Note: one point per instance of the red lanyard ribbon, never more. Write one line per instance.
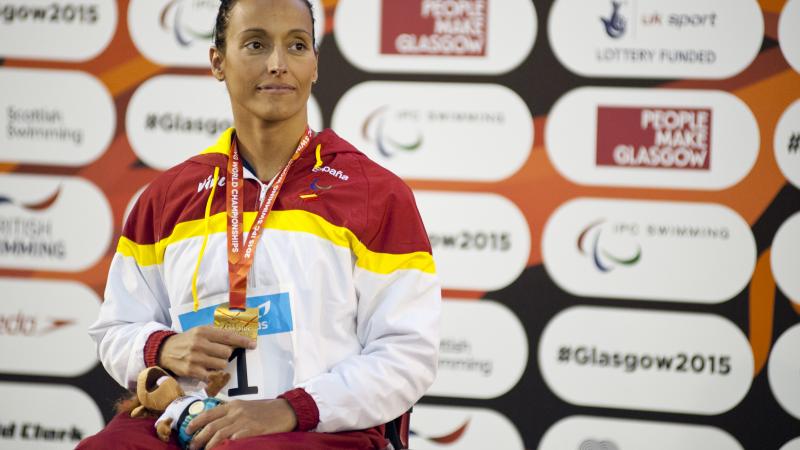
(240, 251)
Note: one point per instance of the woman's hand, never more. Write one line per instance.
(200, 350)
(239, 419)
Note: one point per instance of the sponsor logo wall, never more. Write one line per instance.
(40, 227)
(599, 433)
(442, 427)
(438, 130)
(68, 120)
(48, 319)
(659, 138)
(472, 251)
(656, 361)
(436, 36)
(649, 250)
(56, 30)
(613, 204)
(656, 39)
(469, 366)
(38, 416)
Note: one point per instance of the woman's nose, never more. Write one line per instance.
(276, 63)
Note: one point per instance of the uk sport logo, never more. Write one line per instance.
(615, 23)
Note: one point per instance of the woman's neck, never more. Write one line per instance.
(268, 146)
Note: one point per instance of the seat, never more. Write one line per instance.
(397, 431)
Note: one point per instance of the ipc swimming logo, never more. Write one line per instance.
(604, 259)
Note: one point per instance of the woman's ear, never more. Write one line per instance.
(316, 69)
(216, 58)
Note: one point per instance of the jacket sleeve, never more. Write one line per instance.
(397, 323)
(135, 302)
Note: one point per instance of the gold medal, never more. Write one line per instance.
(196, 407)
(244, 322)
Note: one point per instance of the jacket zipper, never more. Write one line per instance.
(251, 280)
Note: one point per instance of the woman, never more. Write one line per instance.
(339, 274)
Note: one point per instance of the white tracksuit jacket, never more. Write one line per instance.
(343, 277)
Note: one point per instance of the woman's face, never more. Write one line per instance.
(268, 63)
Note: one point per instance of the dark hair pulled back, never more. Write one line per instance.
(224, 17)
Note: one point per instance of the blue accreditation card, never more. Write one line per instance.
(274, 314)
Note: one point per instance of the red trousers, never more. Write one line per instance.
(124, 432)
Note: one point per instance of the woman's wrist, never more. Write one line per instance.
(304, 407)
(153, 346)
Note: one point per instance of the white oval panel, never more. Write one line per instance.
(656, 38)
(469, 364)
(57, 30)
(782, 370)
(789, 33)
(445, 131)
(171, 118)
(46, 417)
(52, 223)
(480, 241)
(646, 360)
(603, 433)
(653, 250)
(462, 428)
(659, 138)
(794, 444)
(433, 36)
(47, 319)
(785, 257)
(54, 117)
(787, 142)
(180, 32)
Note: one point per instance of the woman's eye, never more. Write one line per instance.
(299, 46)
(254, 45)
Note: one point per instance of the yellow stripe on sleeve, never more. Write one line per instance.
(149, 254)
(386, 263)
(144, 254)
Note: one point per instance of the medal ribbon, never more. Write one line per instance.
(242, 252)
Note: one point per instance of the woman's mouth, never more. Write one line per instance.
(276, 88)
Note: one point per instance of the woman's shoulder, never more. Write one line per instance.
(188, 177)
(343, 155)
(391, 221)
(196, 171)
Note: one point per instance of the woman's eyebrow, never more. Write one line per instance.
(263, 31)
(299, 30)
(253, 30)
